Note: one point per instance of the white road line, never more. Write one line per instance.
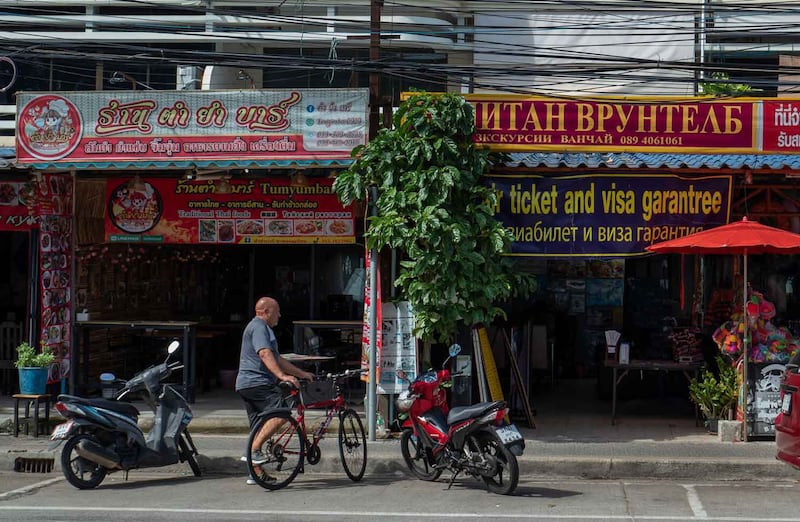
(375, 514)
(28, 489)
(694, 501)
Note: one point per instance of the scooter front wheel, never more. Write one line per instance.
(80, 472)
(416, 457)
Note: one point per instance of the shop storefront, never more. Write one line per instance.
(186, 206)
(588, 184)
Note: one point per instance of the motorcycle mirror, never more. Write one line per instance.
(454, 349)
(174, 345)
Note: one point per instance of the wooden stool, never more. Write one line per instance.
(40, 425)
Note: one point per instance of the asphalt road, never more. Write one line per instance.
(319, 496)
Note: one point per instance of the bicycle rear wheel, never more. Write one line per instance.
(352, 445)
(283, 452)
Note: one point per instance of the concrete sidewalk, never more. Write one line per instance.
(568, 442)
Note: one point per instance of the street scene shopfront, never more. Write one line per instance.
(164, 207)
(589, 184)
(166, 214)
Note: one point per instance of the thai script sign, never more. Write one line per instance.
(781, 126)
(236, 211)
(606, 214)
(147, 126)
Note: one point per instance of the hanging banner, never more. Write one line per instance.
(398, 347)
(606, 214)
(671, 124)
(55, 193)
(236, 211)
(520, 123)
(125, 128)
(365, 331)
(18, 201)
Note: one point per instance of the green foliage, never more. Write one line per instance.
(432, 207)
(720, 87)
(28, 358)
(716, 397)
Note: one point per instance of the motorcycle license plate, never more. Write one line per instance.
(508, 433)
(61, 431)
(786, 403)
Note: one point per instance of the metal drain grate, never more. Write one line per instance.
(33, 465)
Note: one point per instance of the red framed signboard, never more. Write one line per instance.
(145, 127)
(254, 211)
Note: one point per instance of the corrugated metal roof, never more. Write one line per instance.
(652, 160)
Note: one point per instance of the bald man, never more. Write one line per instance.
(261, 369)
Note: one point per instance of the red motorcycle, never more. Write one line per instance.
(473, 439)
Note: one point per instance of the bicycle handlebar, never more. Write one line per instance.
(346, 373)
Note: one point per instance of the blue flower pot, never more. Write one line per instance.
(33, 381)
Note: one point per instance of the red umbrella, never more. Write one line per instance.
(740, 238)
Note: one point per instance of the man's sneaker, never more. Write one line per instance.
(257, 457)
(243, 458)
(266, 478)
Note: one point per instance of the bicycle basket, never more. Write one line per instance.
(318, 391)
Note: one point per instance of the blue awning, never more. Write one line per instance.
(654, 161)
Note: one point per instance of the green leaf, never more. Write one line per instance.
(433, 208)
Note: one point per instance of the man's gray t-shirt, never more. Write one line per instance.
(252, 372)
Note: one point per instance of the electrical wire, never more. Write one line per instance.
(641, 18)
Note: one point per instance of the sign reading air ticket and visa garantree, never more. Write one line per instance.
(606, 214)
(234, 127)
(249, 211)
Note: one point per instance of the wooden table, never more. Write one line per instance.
(619, 371)
(301, 358)
(188, 330)
(321, 324)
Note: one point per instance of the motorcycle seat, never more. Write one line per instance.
(120, 407)
(461, 413)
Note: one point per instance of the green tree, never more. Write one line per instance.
(432, 207)
(720, 86)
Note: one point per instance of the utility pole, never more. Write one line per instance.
(374, 102)
(374, 57)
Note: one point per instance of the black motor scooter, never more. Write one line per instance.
(103, 436)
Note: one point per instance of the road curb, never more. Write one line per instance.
(592, 468)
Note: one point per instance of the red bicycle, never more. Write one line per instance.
(291, 444)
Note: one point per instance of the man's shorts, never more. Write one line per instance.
(261, 398)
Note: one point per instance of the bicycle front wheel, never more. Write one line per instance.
(352, 445)
(280, 456)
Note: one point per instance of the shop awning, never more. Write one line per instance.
(7, 155)
(651, 160)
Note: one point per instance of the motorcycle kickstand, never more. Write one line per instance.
(453, 479)
(126, 476)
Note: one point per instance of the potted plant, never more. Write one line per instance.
(716, 396)
(33, 368)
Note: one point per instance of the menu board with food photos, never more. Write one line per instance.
(235, 211)
(55, 192)
(18, 205)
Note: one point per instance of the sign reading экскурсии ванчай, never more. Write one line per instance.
(606, 214)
